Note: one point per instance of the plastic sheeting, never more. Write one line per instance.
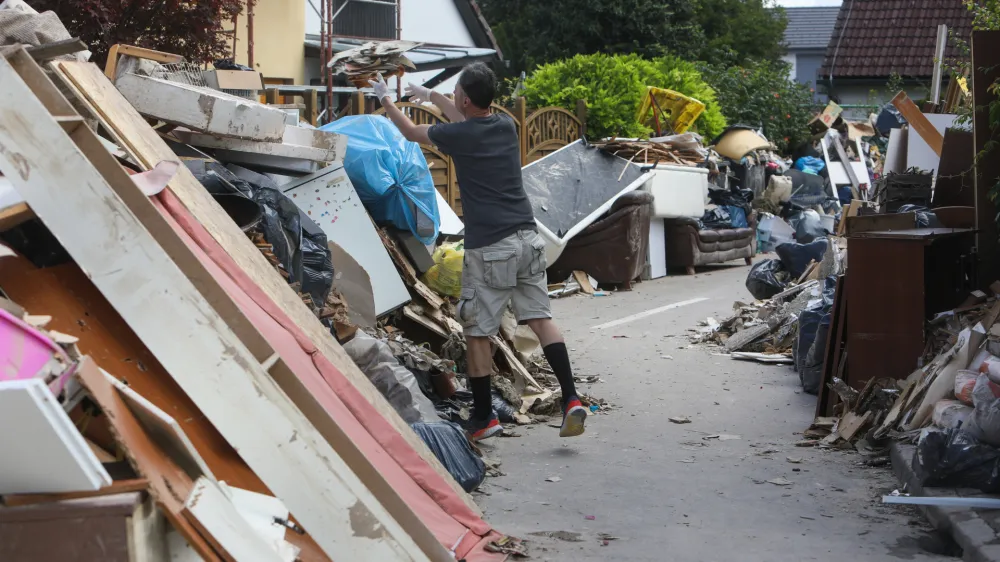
(956, 459)
(298, 242)
(390, 175)
(810, 344)
(570, 184)
(376, 360)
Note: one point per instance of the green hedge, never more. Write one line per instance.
(614, 85)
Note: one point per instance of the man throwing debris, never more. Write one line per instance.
(504, 255)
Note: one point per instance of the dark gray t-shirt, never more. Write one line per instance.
(487, 156)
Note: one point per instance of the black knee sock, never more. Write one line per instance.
(482, 400)
(559, 361)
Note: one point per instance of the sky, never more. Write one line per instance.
(797, 3)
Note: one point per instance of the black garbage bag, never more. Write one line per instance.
(808, 226)
(448, 442)
(926, 218)
(297, 241)
(230, 64)
(505, 412)
(809, 350)
(953, 458)
(716, 219)
(796, 257)
(764, 280)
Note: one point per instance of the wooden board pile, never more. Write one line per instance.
(199, 362)
(899, 409)
(763, 330)
(364, 63)
(649, 152)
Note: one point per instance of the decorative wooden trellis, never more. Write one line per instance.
(541, 132)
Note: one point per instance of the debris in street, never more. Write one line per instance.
(794, 460)
(561, 535)
(553, 479)
(722, 437)
(679, 419)
(780, 481)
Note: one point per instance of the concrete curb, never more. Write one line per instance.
(976, 531)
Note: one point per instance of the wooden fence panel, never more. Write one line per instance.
(542, 132)
(549, 129)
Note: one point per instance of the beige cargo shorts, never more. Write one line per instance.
(511, 270)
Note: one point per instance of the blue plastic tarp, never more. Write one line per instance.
(810, 165)
(390, 175)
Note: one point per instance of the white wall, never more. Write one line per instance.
(429, 21)
(435, 21)
(791, 59)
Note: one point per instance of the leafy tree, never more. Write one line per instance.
(532, 33)
(191, 29)
(613, 86)
(761, 94)
(737, 31)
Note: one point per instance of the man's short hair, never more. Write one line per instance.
(479, 84)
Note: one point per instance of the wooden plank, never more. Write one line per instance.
(202, 109)
(137, 52)
(79, 309)
(168, 484)
(116, 487)
(294, 148)
(584, 281)
(410, 312)
(211, 512)
(45, 454)
(918, 122)
(147, 534)
(164, 430)
(55, 49)
(14, 215)
(852, 423)
(515, 364)
(874, 223)
(185, 332)
(137, 138)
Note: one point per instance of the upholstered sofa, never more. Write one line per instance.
(690, 247)
(612, 249)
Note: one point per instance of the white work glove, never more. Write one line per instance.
(418, 93)
(381, 88)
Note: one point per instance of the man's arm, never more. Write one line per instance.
(411, 132)
(447, 106)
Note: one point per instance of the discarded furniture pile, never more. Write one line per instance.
(206, 332)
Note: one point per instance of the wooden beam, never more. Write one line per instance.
(14, 215)
(141, 142)
(116, 487)
(55, 49)
(918, 122)
(184, 331)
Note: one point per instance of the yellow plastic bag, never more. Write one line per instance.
(673, 110)
(445, 276)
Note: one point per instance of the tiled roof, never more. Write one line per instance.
(809, 28)
(885, 36)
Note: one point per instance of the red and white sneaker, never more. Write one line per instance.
(573, 417)
(481, 429)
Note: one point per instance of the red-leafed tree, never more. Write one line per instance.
(192, 28)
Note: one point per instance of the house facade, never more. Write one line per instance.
(453, 31)
(806, 38)
(873, 40)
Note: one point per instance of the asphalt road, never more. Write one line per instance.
(665, 491)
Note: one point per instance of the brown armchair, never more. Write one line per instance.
(613, 248)
(689, 247)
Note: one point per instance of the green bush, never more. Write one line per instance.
(761, 94)
(613, 86)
